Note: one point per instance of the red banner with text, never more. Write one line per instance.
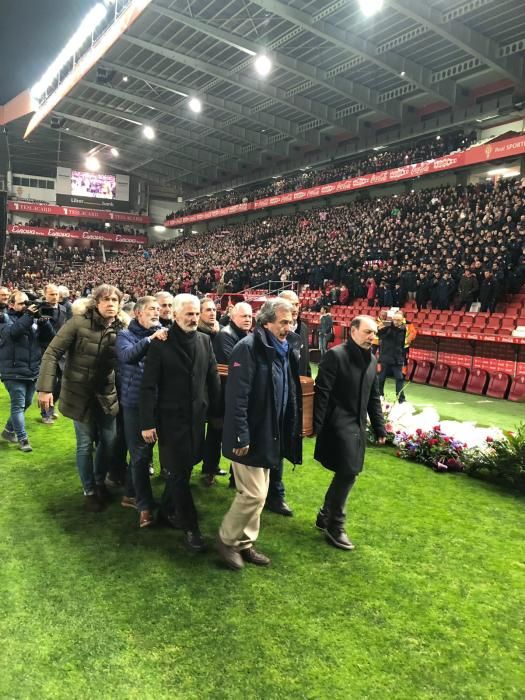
(477, 154)
(75, 235)
(76, 213)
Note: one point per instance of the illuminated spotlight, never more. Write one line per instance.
(92, 163)
(402, 74)
(124, 78)
(148, 132)
(263, 65)
(195, 105)
(370, 7)
(114, 152)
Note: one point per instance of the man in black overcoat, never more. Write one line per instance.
(345, 391)
(180, 387)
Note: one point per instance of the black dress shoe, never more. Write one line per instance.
(103, 495)
(338, 538)
(170, 520)
(193, 540)
(221, 472)
(279, 507)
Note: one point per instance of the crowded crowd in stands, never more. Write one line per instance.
(374, 162)
(83, 226)
(420, 245)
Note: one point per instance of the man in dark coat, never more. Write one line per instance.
(223, 342)
(275, 500)
(57, 315)
(345, 391)
(21, 337)
(392, 337)
(132, 346)
(180, 389)
(262, 425)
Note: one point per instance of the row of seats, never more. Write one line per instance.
(477, 381)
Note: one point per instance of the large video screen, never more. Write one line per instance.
(93, 185)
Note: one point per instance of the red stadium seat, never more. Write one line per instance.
(493, 325)
(498, 385)
(439, 375)
(411, 366)
(517, 389)
(422, 372)
(509, 323)
(457, 378)
(477, 382)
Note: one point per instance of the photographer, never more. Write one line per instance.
(392, 336)
(20, 355)
(57, 315)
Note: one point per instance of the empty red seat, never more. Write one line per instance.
(493, 324)
(498, 385)
(411, 366)
(457, 378)
(508, 323)
(517, 389)
(422, 372)
(477, 382)
(439, 375)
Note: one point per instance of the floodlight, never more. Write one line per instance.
(263, 65)
(114, 152)
(92, 163)
(195, 105)
(148, 132)
(370, 7)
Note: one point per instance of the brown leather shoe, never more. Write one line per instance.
(129, 502)
(229, 555)
(146, 518)
(251, 556)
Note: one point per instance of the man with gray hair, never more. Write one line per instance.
(165, 300)
(262, 424)
(180, 389)
(345, 391)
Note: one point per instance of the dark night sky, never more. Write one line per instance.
(32, 34)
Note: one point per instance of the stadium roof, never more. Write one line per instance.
(340, 82)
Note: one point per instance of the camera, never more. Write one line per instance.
(44, 309)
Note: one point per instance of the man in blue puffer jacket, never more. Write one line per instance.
(132, 346)
(21, 336)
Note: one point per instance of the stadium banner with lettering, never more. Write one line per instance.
(477, 154)
(75, 200)
(20, 230)
(76, 212)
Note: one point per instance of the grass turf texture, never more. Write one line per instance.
(429, 605)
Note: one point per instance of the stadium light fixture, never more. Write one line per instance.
(92, 164)
(88, 25)
(263, 65)
(149, 132)
(125, 78)
(370, 7)
(114, 152)
(195, 105)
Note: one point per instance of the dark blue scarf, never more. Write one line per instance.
(281, 363)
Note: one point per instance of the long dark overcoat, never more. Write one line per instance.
(177, 394)
(345, 391)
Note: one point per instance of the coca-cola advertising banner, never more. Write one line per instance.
(20, 230)
(76, 213)
(478, 154)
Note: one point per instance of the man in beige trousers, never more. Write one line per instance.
(262, 425)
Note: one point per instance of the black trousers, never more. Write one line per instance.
(177, 497)
(336, 498)
(397, 373)
(212, 450)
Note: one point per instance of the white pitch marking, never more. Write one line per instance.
(454, 403)
(484, 401)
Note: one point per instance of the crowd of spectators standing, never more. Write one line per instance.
(121, 229)
(372, 163)
(445, 246)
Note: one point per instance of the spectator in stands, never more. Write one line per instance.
(392, 336)
(165, 301)
(21, 336)
(88, 394)
(371, 291)
(467, 290)
(326, 329)
(345, 391)
(487, 292)
(132, 346)
(262, 425)
(443, 291)
(180, 388)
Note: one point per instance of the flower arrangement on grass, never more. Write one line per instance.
(433, 448)
(502, 458)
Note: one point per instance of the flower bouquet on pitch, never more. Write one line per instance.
(432, 447)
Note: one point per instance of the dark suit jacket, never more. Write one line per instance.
(345, 391)
(177, 394)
